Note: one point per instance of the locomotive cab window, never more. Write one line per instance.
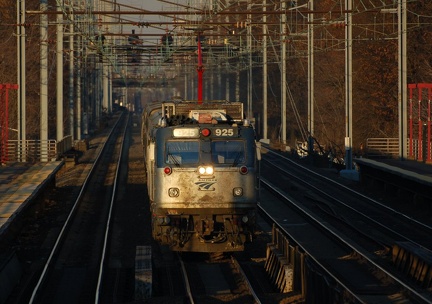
(228, 152)
(181, 152)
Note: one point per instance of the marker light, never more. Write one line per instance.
(205, 170)
(238, 191)
(205, 132)
(243, 170)
(173, 192)
(167, 170)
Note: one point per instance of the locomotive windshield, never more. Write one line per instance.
(182, 152)
(228, 152)
(222, 152)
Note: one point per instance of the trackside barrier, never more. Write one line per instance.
(283, 263)
(291, 270)
(414, 262)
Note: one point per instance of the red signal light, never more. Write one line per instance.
(167, 170)
(243, 170)
(205, 132)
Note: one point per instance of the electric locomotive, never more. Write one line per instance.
(202, 177)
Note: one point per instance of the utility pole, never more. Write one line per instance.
(402, 68)
(348, 85)
(311, 78)
(249, 73)
(44, 82)
(59, 52)
(283, 73)
(105, 69)
(265, 72)
(21, 78)
(71, 75)
(82, 119)
(348, 172)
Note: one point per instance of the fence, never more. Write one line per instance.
(382, 147)
(35, 150)
(389, 148)
(419, 122)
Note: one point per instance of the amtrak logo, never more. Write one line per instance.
(205, 186)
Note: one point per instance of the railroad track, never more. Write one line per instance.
(206, 278)
(130, 229)
(345, 233)
(332, 195)
(73, 271)
(118, 286)
(209, 281)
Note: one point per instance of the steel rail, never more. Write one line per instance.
(364, 215)
(108, 220)
(251, 290)
(186, 281)
(66, 224)
(365, 255)
(424, 225)
(309, 254)
(413, 293)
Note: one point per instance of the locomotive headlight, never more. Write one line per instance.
(173, 192)
(238, 191)
(209, 170)
(205, 170)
